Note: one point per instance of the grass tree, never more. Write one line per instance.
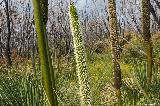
(44, 13)
(115, 48)
(79, 50)
(147, 37)
(40, 17)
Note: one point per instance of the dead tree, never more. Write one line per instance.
(7, 51)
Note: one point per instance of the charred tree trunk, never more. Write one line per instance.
(152, 10)
(8, 52)
(33, 51)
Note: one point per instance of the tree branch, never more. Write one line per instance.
(154, 14)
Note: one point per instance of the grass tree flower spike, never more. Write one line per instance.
(115, 48)
(145, 18)
(80, 56)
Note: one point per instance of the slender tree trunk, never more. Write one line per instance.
(1, 50)
(33, 51)
(115, 48)
(8, 51)
(147, 37)
(157, 3)
(153, 12)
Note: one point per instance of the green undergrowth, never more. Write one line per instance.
(22, 85)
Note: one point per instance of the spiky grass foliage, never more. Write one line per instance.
(101, 84)
(21, 90)
(133, 87)
(80, 55)
(45, 61)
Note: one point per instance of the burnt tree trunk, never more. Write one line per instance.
(8, 52)
(153, 12)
